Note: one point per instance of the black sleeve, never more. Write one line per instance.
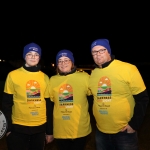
(7, 103)
(141, 102)
(90, 101)
(49, 113)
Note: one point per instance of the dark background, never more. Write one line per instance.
(74, 25)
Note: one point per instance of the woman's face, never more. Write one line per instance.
(32, 59)
(64, 64)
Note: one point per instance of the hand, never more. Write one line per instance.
(128, 128)
(8, 133)
(49, 138)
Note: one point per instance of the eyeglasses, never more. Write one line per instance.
(36, 56)
(101, 51)
(66, 61)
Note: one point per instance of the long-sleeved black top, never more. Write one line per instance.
(141, 102)
(7, 103)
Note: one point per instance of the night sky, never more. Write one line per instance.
(73, 28)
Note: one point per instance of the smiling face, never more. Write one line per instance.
(32, 59)
(100, 55)
(64, 64)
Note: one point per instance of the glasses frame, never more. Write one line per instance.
(101, 51)
(66, 61)
(36, 56)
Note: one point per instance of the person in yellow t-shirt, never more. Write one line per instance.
(25, 104)
(120, 99)
(68, 92)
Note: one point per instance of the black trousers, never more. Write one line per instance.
(19, 141)
(71, 144)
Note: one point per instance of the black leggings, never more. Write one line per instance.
(71, 144)
(19, 141)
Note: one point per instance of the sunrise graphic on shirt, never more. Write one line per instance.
(32, 89)
(104, 86)
(66, 96)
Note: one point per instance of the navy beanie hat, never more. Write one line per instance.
(102, 42)
(65, 53)
(31, 47)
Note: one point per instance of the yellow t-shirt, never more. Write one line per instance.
(113, 88)
(71, 116)
(29, 90)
